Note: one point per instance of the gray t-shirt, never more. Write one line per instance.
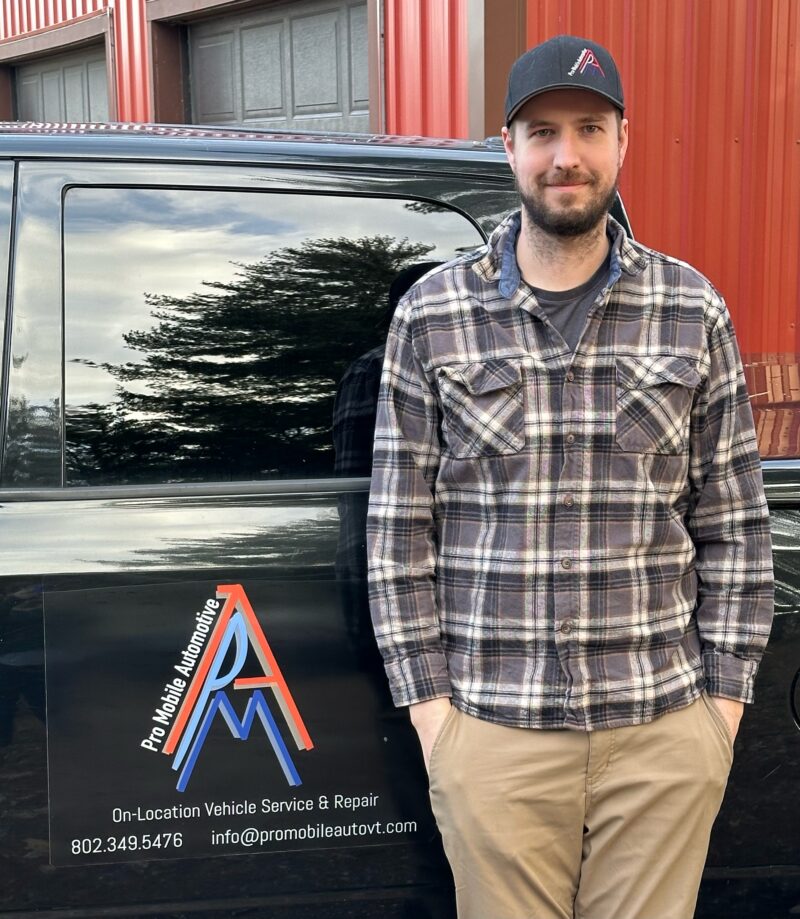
(567, 309)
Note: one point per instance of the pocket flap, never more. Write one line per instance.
(655, 370)
(485, 377)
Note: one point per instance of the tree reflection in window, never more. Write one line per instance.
(207, 331)
(237, 381)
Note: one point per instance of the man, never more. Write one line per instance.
(570, 560)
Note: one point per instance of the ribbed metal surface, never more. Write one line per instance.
(19, 18)
(713, 170)
(132, 61)
(426, 60)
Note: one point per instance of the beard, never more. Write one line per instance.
(568, 221)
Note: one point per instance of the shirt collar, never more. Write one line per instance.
(500, 261)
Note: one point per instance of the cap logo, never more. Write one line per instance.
(586, 59)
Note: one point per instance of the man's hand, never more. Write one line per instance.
(427, 718)
(732, 713)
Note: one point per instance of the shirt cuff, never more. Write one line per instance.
(419, 678)
(729, 676)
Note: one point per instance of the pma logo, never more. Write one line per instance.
(586, 59)
(225, 643)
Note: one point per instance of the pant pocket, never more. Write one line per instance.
(438, 742)
(718, 721)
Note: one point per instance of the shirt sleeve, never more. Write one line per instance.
(729, 524)
(401, 540)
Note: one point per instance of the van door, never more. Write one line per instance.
(192, 373)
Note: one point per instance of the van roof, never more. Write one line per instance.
(239, 144)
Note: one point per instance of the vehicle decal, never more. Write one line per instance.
(236, 630)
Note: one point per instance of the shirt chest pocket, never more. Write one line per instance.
(483, 408)
(654, 403)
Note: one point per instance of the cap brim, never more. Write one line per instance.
(547, 89)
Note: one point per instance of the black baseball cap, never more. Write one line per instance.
(563, 62)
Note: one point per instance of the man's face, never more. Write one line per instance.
(566, 148)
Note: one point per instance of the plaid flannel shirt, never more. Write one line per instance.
(564, 540)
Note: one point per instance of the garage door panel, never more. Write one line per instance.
(358, 69)
(299, 66)
(75, 93)
(315, 64)
(97, 80)
(262, 71)
(66, 87)
(52, 94)
(215, 76)
(29, 99)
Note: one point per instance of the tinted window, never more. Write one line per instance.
(213, 335)
(6, 186)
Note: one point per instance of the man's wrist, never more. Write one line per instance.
(429, 710)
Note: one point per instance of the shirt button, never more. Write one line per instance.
(570, 438)
(566, 562)
(568, 501)
(566, 627)
(570, 376)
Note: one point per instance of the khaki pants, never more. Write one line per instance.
(561, 824)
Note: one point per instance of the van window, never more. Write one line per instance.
(215, 335)
(6, 189)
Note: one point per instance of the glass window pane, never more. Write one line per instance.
(6, 187)
(208, 333)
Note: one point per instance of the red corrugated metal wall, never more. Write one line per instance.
(131, 62)
(713, 170)
(18, 17)
(426, 56)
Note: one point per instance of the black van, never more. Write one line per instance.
(193, 717)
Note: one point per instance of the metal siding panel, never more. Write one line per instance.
(459, 102)
(132, 61)
(412, 92)
(20, 17)
(436, 51)
(407, 86)
(426, 59)
(713, 171)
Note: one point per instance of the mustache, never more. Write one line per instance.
(569, 178)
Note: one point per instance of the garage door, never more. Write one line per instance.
(298, 67)
(69, 87)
